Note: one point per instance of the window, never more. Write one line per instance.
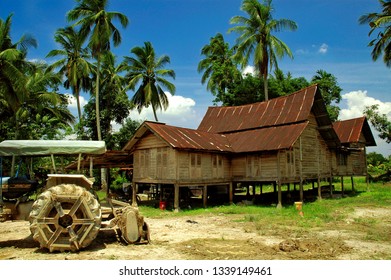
(342, 158)
(144, 162)
(144, 158)
(162, 162)
(195, 160)
(290, 162)
(217, 161)
(253, 165)
(161, 157)
(195, 165)
(217, 166)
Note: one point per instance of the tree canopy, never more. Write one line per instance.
(145, 70)
(380, 22)
(256, 38)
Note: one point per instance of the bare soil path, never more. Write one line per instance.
(213, 237)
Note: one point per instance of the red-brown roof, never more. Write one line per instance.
(266, 139)
(288, 109)
(185, 138)
(349, 131)
(262, 139)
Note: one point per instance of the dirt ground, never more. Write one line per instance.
(213, 237)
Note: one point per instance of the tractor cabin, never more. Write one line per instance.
(283, 141)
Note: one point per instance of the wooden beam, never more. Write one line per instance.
(176, 197)
(301, 171)
(319, 189)
(205, 196)
(54, 164)
(352, 179)
(134, 194)
(331, 186)
(279, 205)
(325, 127)
(231, 191)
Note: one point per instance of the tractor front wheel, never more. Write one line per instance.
(65, 218)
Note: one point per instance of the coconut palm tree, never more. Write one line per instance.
(380, 22)
(43, 109)
(218, 67)
(13, 64)
(256, 37)
(114, 102)
(13, 67)
(74, 64)
(148, 71)
(97, 23)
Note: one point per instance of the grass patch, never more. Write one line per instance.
(326, 214)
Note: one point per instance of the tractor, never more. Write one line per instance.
(64, 211)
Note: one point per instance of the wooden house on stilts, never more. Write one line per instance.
(286, 140)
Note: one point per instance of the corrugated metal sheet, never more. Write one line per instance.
(349, 131)
(266, 139)
(288, 109)
(184, 138)
(261, 139)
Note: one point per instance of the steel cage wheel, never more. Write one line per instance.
(65, 218)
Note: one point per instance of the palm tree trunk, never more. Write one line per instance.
(103, 171)
(97, 111)
(78, 106)
(77, 95)
(154, 113)
(263, 73)
(265, 87)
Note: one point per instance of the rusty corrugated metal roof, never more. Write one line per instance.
(292, 108)
(349, 131)
(266, 139)
(261, 139)
(184, 138)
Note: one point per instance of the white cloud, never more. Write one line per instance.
(180, 112)
(249, 70)
(302, 51)
(323, 48)
(72, 101)
(356, 102)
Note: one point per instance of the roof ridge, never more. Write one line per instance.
(256, 128)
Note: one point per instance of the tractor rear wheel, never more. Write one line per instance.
(65, 218)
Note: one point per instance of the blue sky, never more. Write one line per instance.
(328, 37)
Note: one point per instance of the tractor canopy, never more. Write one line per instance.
(51, 147)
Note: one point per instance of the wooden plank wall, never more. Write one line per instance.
(197, 166)
(255, 167)
(155, 161)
